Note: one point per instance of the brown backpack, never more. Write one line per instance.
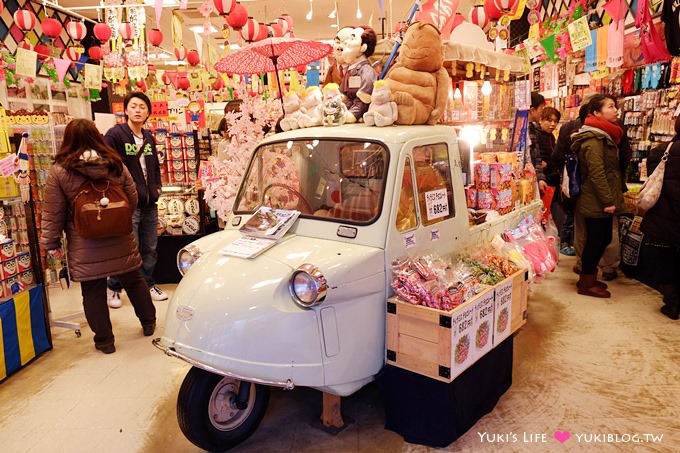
(101, 210)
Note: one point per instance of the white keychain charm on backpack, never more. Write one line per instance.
(104, 201)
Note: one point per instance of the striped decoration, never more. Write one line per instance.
(23, 331)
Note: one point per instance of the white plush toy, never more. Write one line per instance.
(312, 108)
(382, 111)
(291, 106)
(334, 108)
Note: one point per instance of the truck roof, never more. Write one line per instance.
(390, 134)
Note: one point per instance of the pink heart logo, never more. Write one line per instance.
(562, 436)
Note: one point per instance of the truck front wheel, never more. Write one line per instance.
(208, 409)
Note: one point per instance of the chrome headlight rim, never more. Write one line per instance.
(194, 253)
(316, 277)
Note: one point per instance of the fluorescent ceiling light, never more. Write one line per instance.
(199, 28)
(334, 25)
(159, 56)
(175, 63)
(165, 3)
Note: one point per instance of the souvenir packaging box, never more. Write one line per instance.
(482, 338)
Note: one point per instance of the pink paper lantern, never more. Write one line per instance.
(505, 6)
(126, 31)
(72, 53)
(224, 7)
(277, 29)
(76, 30)
(155, 37)
(102, 32)
(250, 30)
(238, 17)
(288, 20)
(51, 27)
(193, 58)
(25, 19)
(180, 53)
(95, 53)
(478, 16)
(263, 31)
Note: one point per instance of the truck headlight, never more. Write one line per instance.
(308, 286)
(186, 258)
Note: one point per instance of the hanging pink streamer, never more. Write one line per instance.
(159, 9)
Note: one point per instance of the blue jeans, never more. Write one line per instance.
(144, 225)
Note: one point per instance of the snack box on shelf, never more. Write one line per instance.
(442, 344)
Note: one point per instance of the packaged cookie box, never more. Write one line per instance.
(435, 343)
(510, 305)
(7, 250)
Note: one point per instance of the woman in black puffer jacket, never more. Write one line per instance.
(661, 227)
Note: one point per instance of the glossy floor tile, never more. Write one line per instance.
(590, 375)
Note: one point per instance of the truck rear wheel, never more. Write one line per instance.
(208, 413)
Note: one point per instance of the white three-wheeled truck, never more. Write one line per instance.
(310, 311)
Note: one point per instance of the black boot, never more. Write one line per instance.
(671, 310)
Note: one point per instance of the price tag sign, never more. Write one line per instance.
(437, 204)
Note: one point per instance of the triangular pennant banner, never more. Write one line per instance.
(81, 61)
(61, 65)
(549, 46)
(159, 9)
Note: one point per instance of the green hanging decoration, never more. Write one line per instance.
(95, 95)
(578, 12)
(548, 44)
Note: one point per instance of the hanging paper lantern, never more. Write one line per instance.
(126, 31)
(288, 20)
(492, 10)
(457, 20)
(166, 79)
(193, 58)
(238, 17)
(25, 19)
(263, 32)
(95, 53)
(218, 84)
(102, 32)
(224, 7)
(277, 31)
(478, 16)
(250, 30)
(51, 27)
(42, 50)
(283, 24)
(76, 30)
(72, 53)
(155, 37)
(25, 45)
(505, 6)
(183, 83)
(180, 53)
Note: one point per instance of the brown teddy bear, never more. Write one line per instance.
(419, 83)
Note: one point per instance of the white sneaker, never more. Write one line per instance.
(157, 293)
(113, 298)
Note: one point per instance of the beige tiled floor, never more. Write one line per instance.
(582, 365)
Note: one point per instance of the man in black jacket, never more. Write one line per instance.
(137, 147)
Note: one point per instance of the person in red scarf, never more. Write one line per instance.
(596, 145)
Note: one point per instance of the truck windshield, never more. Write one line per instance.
(335, 180)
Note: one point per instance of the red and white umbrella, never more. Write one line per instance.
(272, 54)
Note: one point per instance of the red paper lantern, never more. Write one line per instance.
(183, 83)
(155, 37)
(224, 7)
(250, 30)
(180, 53)
(76, 30)
(478, 16)
(277, 29)
(218, 84)
(457, 20)
(126, 31)
(25, 19)
(193, 58)
(263, 31)
(238, 17)
(102, 32)
(51, 27)
(166, 79)
(25, 45)
(72, 53)
(95, 53)
(43, 51)
(492, 10)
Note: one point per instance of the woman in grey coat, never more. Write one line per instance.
(84, 155)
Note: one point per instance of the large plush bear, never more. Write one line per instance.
(419, 83)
